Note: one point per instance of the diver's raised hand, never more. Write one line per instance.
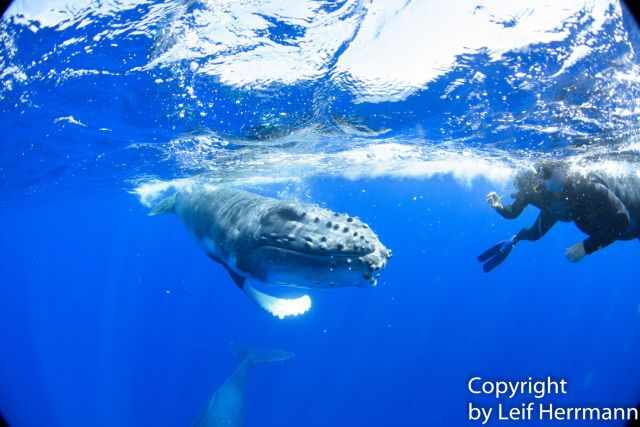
(576, 252)
(494, 200)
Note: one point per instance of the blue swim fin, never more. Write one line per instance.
(491, 252)
(495, 255)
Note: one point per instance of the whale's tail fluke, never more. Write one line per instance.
(166, 205)
(254, 356)
(279, 307)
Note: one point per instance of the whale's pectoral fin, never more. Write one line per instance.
(279, 307)
(237, 279)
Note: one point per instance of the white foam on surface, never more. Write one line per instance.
(231, 38)
(149, 191)
(361, 159)
(407, 161)
(401, 46)
(383, 159)
(580, 52)
(63, 13)
(612, 168)
(392, 48)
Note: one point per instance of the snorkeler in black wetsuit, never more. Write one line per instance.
(606, 208)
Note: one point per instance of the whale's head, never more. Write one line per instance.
(308, 246)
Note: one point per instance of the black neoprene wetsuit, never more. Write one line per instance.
(605, 208)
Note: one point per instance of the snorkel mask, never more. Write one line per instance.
(549, 177)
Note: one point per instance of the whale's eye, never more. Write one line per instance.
(288, 213)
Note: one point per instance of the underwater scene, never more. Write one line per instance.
(319, 213)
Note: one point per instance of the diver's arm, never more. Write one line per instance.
(543, 223)
(510, 211)
(593, 243)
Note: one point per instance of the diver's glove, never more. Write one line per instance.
(494, 200)
(496, 254)
(576, 252)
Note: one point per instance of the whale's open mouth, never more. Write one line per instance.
(319, 253)
(293, 266)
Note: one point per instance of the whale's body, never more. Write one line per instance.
(226, 407)
(278, 242)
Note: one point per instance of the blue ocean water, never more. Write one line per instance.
(405, 114)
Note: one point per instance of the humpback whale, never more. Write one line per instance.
(264, 240)
(226, 405)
